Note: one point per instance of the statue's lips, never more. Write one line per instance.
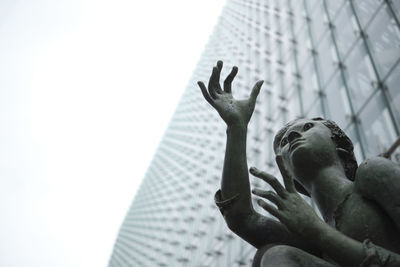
(295, 144)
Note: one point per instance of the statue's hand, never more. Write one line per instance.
(232, 111)
(292, 210)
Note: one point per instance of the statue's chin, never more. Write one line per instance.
(304, 159)
(300, 156)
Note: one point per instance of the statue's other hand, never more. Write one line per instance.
(291, 209)
(232, 111)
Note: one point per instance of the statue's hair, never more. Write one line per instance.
(344, 146)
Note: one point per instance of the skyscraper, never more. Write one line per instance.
(334, 59)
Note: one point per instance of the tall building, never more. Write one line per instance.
(335, 59)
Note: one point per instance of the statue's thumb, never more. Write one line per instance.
(256, 90)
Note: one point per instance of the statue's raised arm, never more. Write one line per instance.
(234, 198)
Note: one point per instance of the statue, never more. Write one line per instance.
(360, 205)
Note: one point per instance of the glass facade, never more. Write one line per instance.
(334, 59)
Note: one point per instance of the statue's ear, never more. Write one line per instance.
(300, 188)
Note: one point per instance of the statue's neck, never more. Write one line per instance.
(328, 189)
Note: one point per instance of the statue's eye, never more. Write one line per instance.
(284, 141)
(307, 126)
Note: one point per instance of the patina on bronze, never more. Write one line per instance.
(360, 205)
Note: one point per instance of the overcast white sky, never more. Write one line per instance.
(87, 88)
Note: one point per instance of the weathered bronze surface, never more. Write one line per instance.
(360, 205)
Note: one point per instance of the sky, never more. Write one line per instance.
(87, 89)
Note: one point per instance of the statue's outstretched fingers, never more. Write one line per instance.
(214, 80)
(205, 93)
(256, 90)
(219, 65)
(212, 84)
(271, 209)
(270, 195)
(271, 180)
(229, 79)
(218, 88)
(287, 177)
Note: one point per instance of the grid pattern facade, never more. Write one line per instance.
(334, 59)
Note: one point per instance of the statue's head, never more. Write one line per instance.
(311, 143)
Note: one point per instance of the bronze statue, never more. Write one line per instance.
(360, 205)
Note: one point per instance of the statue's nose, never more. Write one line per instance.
(293, 135)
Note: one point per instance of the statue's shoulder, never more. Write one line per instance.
(376, 170)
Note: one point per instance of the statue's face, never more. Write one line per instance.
(307, 146)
